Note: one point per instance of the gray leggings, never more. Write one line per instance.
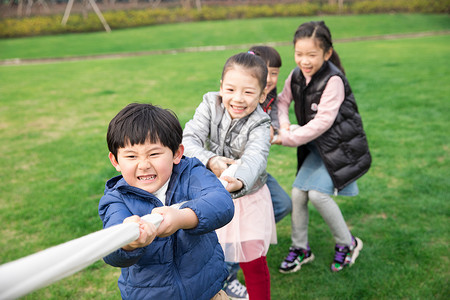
(327, 208)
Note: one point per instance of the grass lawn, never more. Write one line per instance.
(53, 121)
(213, 33)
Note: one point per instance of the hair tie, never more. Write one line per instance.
(251, 52)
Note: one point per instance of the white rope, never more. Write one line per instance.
(230, 171)
(22, 276)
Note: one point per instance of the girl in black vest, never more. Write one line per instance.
(332, 149)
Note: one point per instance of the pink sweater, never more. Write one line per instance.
(327, 111)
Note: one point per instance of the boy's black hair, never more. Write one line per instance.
(268, 54)
(138, 123)
(250, 62)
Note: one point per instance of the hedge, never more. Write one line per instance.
(45, 25)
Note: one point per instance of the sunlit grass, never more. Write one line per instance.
(53, 120)
(213, 33)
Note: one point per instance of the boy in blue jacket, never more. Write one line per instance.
(182, 258)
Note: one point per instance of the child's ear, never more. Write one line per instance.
(220, 91)
(328, 54)
(114, 162)
(178, 154)
(263, 96)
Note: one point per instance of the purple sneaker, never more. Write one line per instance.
(295, 259)
(345, 255)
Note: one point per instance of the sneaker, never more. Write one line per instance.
(235, 290)
(295, 259)
(346, 255)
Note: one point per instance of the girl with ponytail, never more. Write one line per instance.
(332, 149)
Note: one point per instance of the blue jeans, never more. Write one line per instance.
(282, 206)
(233, 269)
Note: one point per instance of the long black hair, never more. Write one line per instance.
(319, 31)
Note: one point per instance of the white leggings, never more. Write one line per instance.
(327, 208)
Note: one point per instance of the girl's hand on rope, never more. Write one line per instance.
(218, 164)
(233, 183)
(285, 126)
(276, 140)
(272, 132)
(147, 233)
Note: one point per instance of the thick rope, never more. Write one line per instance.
(38, 270)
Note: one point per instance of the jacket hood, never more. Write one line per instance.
(113, 183)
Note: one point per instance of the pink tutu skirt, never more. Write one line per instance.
(252, 229)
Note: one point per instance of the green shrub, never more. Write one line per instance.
(211, 13)
(42, 25)
(330, 9)
(408, 6)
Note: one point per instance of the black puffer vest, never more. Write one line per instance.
(343, 148)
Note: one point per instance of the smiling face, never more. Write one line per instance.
(309, 57)
(241, 92)
(146, 166)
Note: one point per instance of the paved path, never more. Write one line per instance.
(32, 61)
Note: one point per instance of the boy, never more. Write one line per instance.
(182, 259)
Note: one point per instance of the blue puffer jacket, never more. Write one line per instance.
(186, 265)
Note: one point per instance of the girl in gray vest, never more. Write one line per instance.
(229, 127)
(332, 149)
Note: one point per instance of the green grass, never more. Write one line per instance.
(53, 120)
(175, 36)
